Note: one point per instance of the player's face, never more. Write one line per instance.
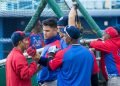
(24, 44)
(38, 26)
(49, 32)
(106, 36)
(60, 32)
(67, 39)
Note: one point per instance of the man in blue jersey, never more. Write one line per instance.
(71, 20)
(51, 38)
(36, 36)
(76, 63)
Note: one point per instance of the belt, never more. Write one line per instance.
(113, 75)
(40, 83)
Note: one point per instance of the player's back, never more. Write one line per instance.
(77, 67)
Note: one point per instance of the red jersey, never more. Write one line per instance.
(110, 62)
(18, 72)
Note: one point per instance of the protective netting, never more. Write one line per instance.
(27, 7)
(19, 8)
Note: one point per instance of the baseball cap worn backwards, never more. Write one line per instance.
(63, 21)
(18, 36)
(111, 31)
(72, 32)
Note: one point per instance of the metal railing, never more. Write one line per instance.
(5, 40)
(2, 62)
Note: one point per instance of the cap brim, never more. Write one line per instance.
(65, 30)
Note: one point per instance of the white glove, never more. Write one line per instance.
(53, 49)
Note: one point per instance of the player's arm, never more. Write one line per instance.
(53, 62)
(23, 69)
(95, 71)
(71, 17)
(100, 45)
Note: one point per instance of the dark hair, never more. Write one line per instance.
(52, 22)
(15, 44)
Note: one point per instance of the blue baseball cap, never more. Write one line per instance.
(72, 32)
(18, 36)
(63, 21)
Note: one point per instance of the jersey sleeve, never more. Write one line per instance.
(100, 45)
(57, 61)
(103, 69)
(23, 69)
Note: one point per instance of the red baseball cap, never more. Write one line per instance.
(111, 31)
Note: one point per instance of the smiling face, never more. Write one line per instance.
(24, 44)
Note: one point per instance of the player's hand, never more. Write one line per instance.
(71, 16)
(72, 12)
(31, 51)
(75, 6)
(36, 57)
(52, 50)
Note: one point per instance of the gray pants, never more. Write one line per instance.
(52, 83)
(114, 81)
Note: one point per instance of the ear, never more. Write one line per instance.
(69, 39)
(56, 29)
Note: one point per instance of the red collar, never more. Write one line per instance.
(18, 50)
